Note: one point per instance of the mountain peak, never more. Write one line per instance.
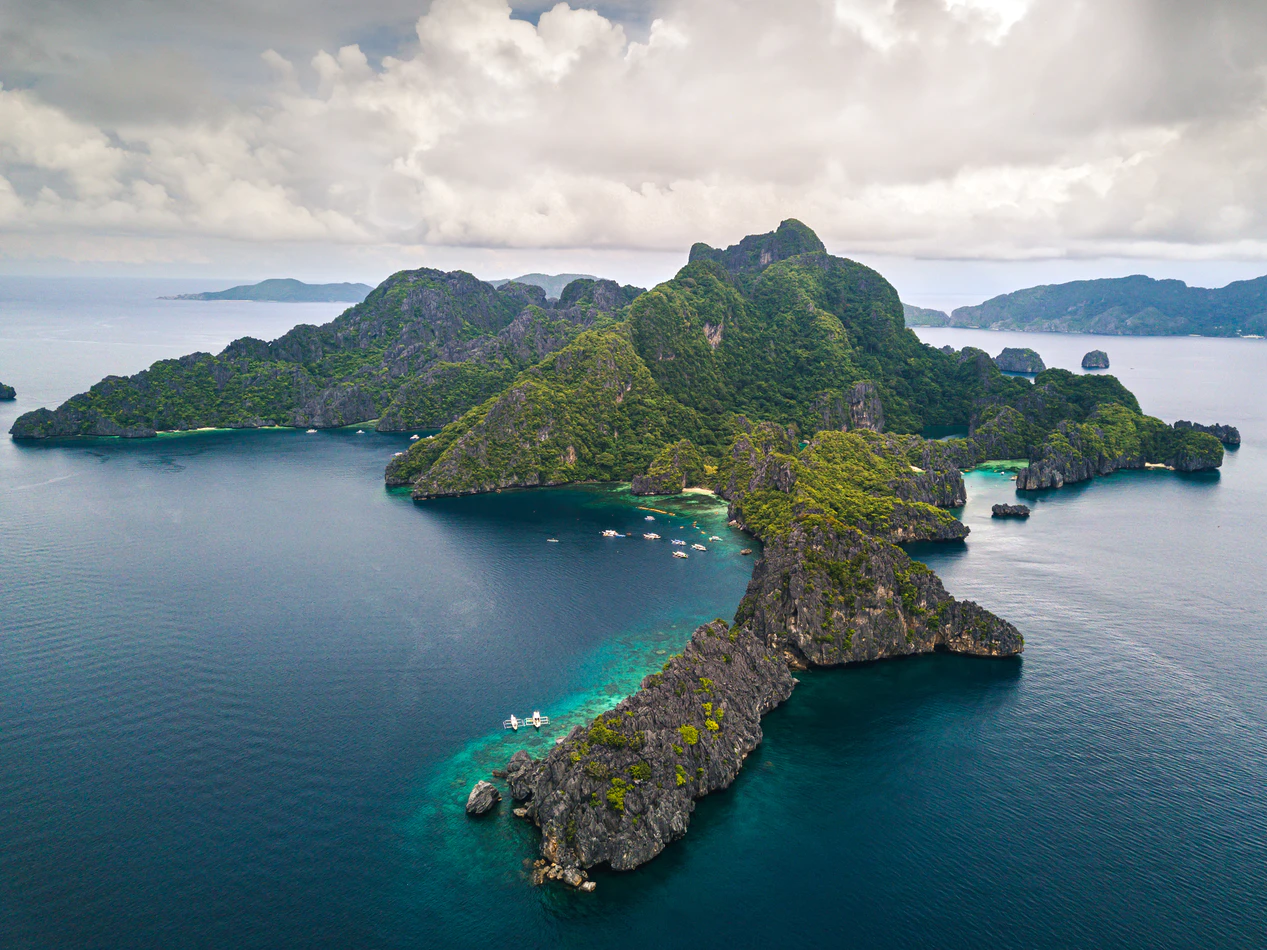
(756, 252)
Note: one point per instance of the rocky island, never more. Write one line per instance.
(1016, 360)
(423, 348)
(770, 372)
(832, 478)
(1009, 511)
(1228, 435)
(285, 290)
(1096, 359)
(7, 392)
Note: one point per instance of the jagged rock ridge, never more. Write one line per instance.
(421, 349)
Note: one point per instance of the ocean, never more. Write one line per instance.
(244, 689)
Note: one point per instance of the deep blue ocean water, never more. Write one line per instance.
(244, 690)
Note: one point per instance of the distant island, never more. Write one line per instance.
(552, 284)
(924, 317)
(285, 290)
(1131, 306)
(8, 392)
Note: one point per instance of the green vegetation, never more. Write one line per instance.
(689, 734)
(287, 290)
(418, 352)
(1126, 305)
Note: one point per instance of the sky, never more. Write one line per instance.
(963, 147)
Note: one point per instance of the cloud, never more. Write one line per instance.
(1005, 129)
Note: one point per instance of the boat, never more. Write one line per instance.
(536, 720)
(413, 438)
(397, 454)
(677, 541)
(360, 432)
(609, 533)
(699, 547)
(746, 551)
(681, 554)
(649, 518)
(552, 540)
(312, 431)
(714, 538)
(651, 536)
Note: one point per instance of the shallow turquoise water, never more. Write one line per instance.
(243, 691)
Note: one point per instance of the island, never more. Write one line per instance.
(1009, 511)
(552, 284)
(1017, 360)
(1096, 359)
(7, 392)
(423, 348)
(285, 290)
(783, 379)
(924, 317)
(1133, 306)
(771, 373)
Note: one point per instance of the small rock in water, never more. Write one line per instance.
(1096, 359)
(1010, 511)
(482, 798)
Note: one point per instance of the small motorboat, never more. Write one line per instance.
(413, 438)
(609, 533)
(649, 518)
(677, 541)
(397, 454)
(651, 536)
(312, 431)
(360, 432)
(552, 540)
(699, 547)
(681, 554)
(714, 538)
(746, 551)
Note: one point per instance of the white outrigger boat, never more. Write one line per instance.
(714, 538)
(609, 533)
(699, 547)
(649, 518)
(651, 536)
(312, 431)
(536, 720)
(413, 438)
(681, 554)
(677, 541)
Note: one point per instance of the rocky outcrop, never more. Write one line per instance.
(1017, 360)
(7, 392)
(865, 411)
(1115, 438)
(420, 351)
(824, 598)
(1096, 359)
(677, 467)
(483, 798)
(1010, 511)
(758, 251)
(831, 588)
(1228, 435)
(618, 792)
